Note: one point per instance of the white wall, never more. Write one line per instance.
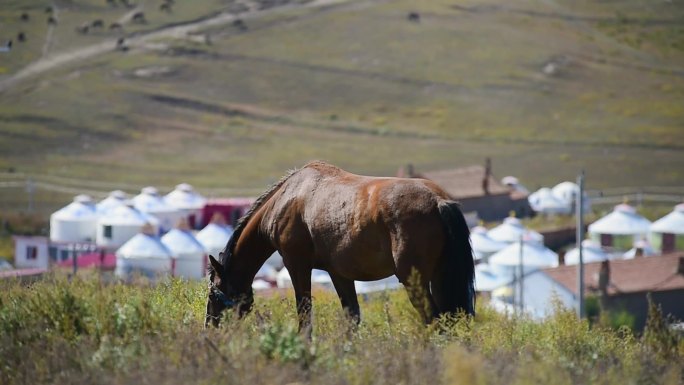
(31, 252)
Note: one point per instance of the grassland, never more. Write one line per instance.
(85, 331)
(353, 83)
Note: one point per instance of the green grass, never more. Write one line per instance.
(85, 331)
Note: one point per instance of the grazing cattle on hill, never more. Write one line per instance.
(116, 26)
(413, 16)
(240, 24)
(99, 23)
(52, 20)
(121, 44)
(49, 9)
(139, 17)
(24, 17)
(83, 28)
(21, 37)
(165, 7)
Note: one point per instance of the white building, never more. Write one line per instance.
(190, 259)
(120, 224)
(214, 238)
(591, 252)
(114, 199)
(511, 230)
(150, 202)
(144, 255)
(186, 200)
(75, 222)
(545, 202)
(619, 229)
(483, 245)
(667, 233)
(31, 252)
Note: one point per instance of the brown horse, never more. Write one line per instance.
(356, 228)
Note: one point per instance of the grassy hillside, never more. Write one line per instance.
(545, 88)
(88, 332)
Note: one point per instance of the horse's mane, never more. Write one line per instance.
(227, 252)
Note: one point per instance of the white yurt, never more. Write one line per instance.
(567, 192)
(619, 229)
(74, 222)
(189, 256)
(267, 273)
(534, 254)
(276, 261)
(215, 235)
(114, 199)
(119, 224)
(641, 249)
(591, 252)
(150, 202)
(483, 244)
(488, 278)
(514, 184)
(511, 230)
(389, 283)
(667, 233)
(545, 202)
(144, 255)
(186, 200)
(318, 278)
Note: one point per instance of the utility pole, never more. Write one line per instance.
(520, 280)
(579, 208)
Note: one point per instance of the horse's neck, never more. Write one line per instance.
(251, 251)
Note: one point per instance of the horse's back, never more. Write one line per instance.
(358, 226)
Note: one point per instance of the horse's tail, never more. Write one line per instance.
(457, 267)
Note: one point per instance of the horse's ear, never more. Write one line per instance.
(216, 266)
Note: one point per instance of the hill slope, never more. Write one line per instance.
(543, 87)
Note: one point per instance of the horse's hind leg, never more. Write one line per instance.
(347, 293)
(418, 290)
(301, 281)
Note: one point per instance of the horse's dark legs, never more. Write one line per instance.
(301, 280)
(347, 293)
(418, 289)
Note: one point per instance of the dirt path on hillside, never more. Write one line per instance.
(173, 30)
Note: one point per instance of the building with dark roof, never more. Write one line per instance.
(626, 284)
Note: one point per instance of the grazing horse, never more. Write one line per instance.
(356, 228)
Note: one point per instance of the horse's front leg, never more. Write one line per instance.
(301, 281)
(347, 293)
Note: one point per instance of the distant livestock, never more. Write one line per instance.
(139, 17)
(83, 28)
(24, 17)
(21, 37)
(165, 7)
(116, 26)
(413, 16)
(52, 20)
(99, 23)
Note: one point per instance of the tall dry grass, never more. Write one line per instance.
(86, 331)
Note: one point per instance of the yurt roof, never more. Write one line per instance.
(624, 220)
(182, 242)
(149, 201)
(483, 243)
(543, 200)
(511, 230)
(534, 254)
(81, 209)
(125, 215)
(565, 189)
(114, 199)
(144, 246)
(488, 278)
(671, 223)
(184, 196)
(213, 236)
(591, 252)
(267, 271)
(389, 283)
(646, 249)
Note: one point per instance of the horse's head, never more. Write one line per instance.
(222, 296)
